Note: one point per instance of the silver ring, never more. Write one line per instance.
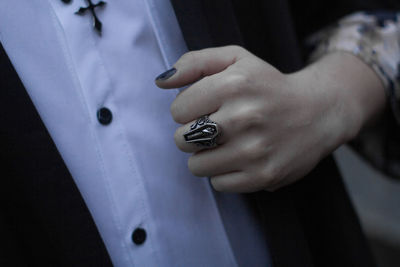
(203, 132)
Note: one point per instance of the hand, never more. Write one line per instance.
(276, 127)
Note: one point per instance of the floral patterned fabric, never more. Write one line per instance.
(375, 39)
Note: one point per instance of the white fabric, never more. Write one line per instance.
(129, 173)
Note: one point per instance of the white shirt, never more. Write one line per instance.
(129, 172)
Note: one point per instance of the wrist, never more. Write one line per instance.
(359, 88)
(348, 95)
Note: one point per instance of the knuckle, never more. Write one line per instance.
(217, 185)
(255, 120)
(176, 112)
(254, 151)
(194, 166)
(250, 153)
(270, 176)
(189, 56)
(239, 120)
(177, 137)
(247, 117)
(263, 180)
(266, 178)
(236, 84)
(253, 184)
(237, 49)
(275, 172)
(173, 109)
(179, 141)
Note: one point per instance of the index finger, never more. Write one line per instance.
(195, 65)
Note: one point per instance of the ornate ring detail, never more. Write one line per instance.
(203, 132)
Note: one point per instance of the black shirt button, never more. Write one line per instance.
(139, 236)
(104, 116)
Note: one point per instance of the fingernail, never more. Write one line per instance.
(166, 75)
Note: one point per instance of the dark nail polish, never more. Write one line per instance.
(166, 75)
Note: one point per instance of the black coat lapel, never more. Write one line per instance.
(263, 27)
(208, 23)
(45, 216)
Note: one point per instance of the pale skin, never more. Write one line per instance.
(276, 127)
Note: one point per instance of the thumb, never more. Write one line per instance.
(195, 65)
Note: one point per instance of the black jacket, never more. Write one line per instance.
(44, 220)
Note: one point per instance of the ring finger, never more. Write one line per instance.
(219, 118)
